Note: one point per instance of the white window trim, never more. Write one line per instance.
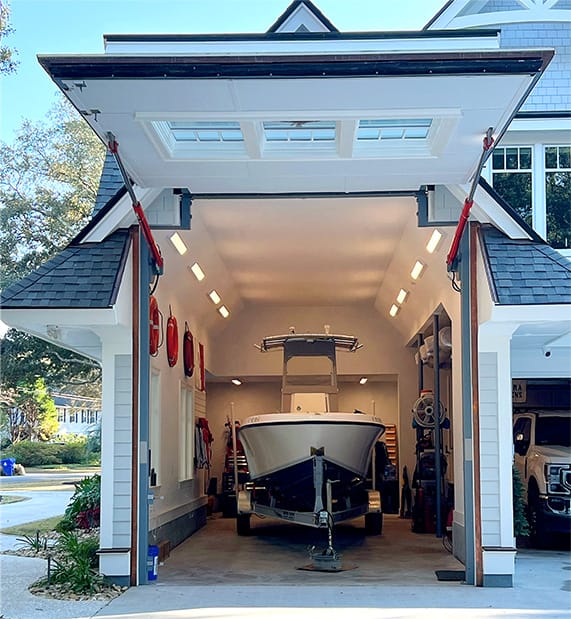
(186, 432)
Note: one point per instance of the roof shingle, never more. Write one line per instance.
(81, 276)
(525, 272)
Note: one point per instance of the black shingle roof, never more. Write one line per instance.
(110, 184)
(81, 276)
(525, 272)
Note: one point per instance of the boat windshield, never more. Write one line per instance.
(318, 371)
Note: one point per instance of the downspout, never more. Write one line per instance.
(475, 403)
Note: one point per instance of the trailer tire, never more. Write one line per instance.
(374, 523)
(243, 524)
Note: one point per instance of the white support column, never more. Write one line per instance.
(538, 201)
(114, 540)
(496, 453)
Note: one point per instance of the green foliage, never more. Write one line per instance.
(48, 184)
(76, 563)
(34, 542)
(7, 62)
(29, 413)
(521, 525)
(558, 190)
(26, 358)
(31, 453)
(83, 507)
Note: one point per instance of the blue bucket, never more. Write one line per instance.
(8, 466)
(153, 562)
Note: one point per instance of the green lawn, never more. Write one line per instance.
(47, 525)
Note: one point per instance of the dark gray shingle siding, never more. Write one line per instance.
(81, 276)
(526, 272)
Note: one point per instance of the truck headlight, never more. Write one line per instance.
(554, 478)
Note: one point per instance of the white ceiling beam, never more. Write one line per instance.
(253, 137)
(346, 138)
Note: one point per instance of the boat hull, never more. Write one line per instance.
(275, 442)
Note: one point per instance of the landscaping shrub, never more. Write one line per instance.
(75, 563)
(83, 509)
(31, 453)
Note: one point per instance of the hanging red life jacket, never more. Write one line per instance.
(172, 339)
(188, 351)
(154, 327)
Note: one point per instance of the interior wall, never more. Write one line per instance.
(173, 498)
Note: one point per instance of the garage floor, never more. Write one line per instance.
(274, 551)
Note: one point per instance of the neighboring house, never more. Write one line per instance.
(76, 414)
(316, 165)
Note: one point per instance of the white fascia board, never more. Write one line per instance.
(263, 47)
(121, 215)
(22, 318)
(487, 210)
(525, 314)
(547, 125)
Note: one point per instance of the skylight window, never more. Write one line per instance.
(393, 129)
(299, 131)
(205, 131)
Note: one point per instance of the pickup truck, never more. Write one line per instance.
(542, 446)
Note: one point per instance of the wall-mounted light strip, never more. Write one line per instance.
(363, 380)
(214, 297)
(401, 296)
(178, 243)
(224, 311)
(236, 382)
(417, 270)
(394, 310)
(433, 241)
(197, 271)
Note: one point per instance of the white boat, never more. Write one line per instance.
(308, 464)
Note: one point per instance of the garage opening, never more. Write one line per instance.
(311, 265)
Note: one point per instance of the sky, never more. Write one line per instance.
(78, 26)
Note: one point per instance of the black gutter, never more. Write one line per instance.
(558, 114)
(520, 221)
(301, 36)
(275, 67)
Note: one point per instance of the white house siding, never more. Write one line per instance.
(122, 455)
(489, 449)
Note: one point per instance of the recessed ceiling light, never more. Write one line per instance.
(417, 269)
(214, 297)
(401, 296)
(363, 380)
(224, 311)
(236, 382)
(433, 241)
(178, 243)
(394, 310)
(197, 271)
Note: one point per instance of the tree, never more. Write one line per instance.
(7, 62)
(29, 413)
(48, 185)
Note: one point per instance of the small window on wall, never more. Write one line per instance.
(155, 430)
(186, 434)
(558, 195)
(512, 178)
